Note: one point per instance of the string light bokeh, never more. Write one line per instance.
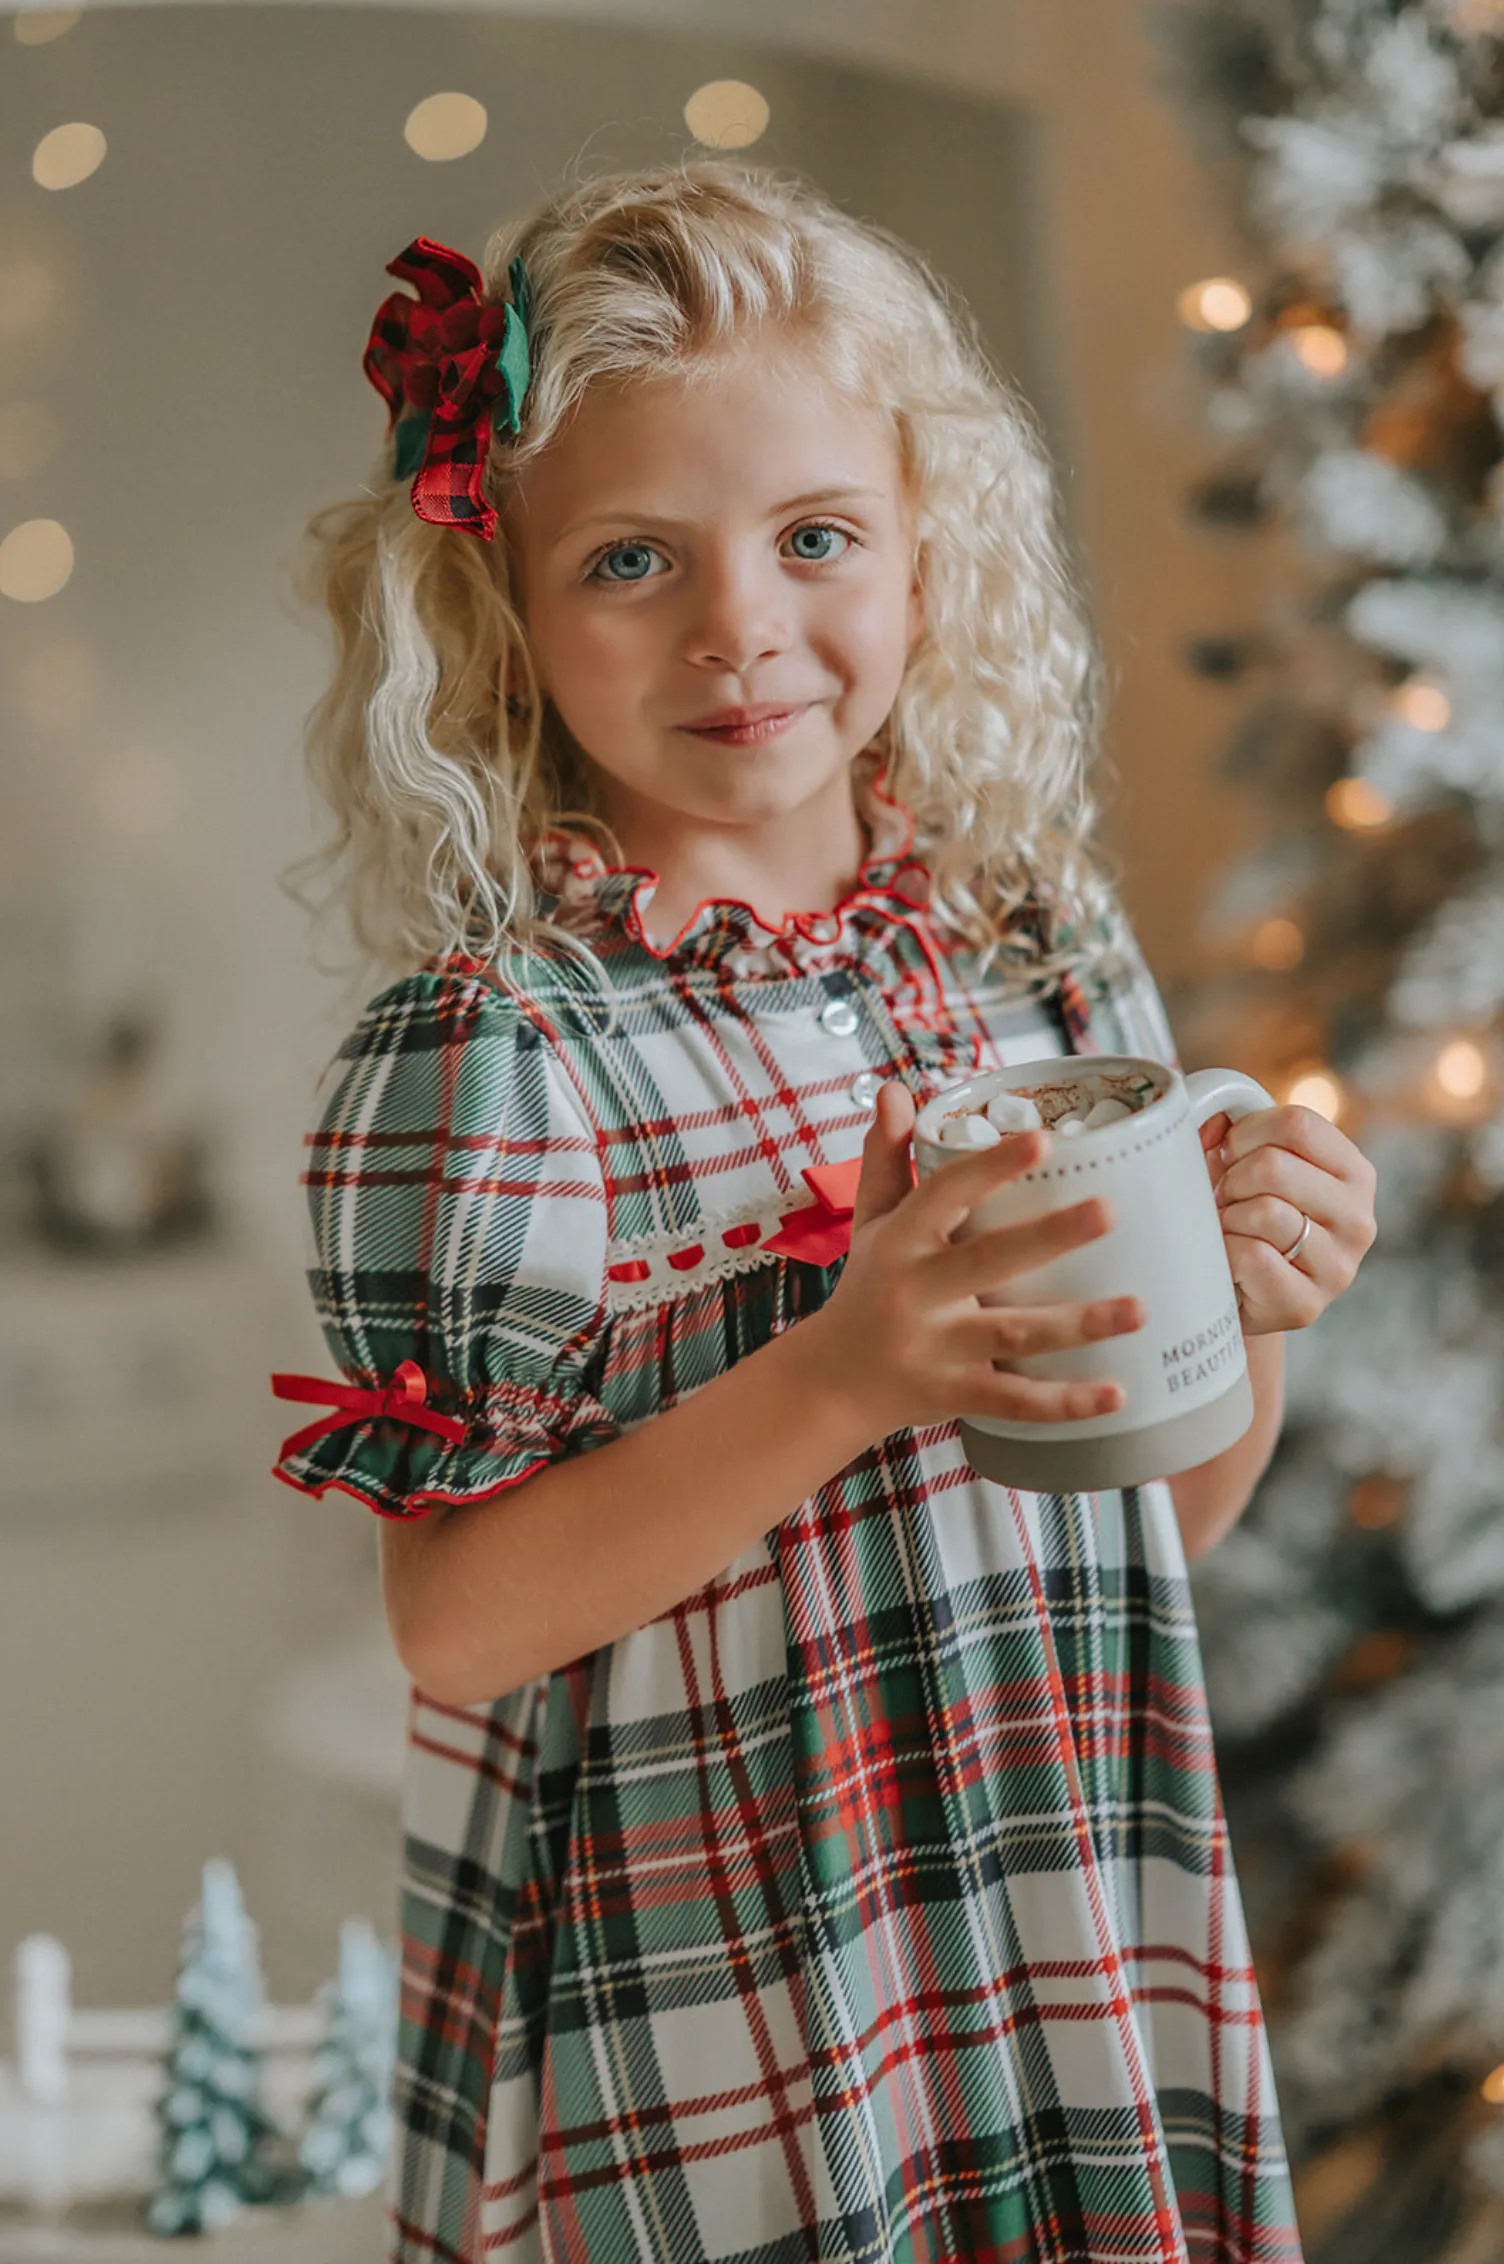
(727, 114)
(1217, 303)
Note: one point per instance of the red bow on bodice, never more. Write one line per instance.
(820, 1232)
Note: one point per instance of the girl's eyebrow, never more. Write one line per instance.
(629, 514)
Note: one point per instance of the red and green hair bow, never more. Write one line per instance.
(448, 364)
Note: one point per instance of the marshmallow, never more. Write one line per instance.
(1012, 1112)
(1107, 1111)
(967, 1132)
(1069, 1126)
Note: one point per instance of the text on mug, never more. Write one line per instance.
(1203, 1353)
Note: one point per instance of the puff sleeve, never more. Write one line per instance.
(458, 1216)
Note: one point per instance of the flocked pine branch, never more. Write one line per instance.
(1356, 1618)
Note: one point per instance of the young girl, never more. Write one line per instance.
(812, 1851)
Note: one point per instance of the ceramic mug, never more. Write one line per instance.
(1184, 1373)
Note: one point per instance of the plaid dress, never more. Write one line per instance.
(874, 1904)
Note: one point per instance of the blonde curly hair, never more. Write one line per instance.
(442, 788)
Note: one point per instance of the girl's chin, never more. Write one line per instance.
(765, 780)
(691, 782)
(698, 778)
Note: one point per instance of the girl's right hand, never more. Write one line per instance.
(903, 1334)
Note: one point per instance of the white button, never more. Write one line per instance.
(839, 1017)
(864, 1089)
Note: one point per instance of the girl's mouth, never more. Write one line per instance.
(746, 727)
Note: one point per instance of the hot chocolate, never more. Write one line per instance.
(1084, 1100)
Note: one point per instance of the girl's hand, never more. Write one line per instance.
(1270, 1172)
(903, 1334)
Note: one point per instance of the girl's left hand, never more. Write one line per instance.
(1270, 1172)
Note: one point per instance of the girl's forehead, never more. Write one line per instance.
(734, 423)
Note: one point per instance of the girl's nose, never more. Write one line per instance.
(740, 615)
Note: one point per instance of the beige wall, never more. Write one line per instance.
(217, 279)
(203, 359)
(1135, 219)
(1056, 191)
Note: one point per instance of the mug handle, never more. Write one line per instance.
(1214, 1089)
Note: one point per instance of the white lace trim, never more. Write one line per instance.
(718, 1260)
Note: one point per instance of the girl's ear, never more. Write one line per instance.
(917, 619)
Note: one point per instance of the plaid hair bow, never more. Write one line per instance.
(442, 363)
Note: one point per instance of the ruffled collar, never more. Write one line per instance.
(600, 901)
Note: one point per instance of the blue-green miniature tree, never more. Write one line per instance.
(216, 2136)
(349, 2129)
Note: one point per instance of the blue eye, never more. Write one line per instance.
(624, 562)
(811, 544)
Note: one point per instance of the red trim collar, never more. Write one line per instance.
(591, 892)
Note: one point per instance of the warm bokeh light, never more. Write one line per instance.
(1218, 303)
(1277, 944)
(28, 436)
(34, 27)
(1353, 803)
(1461, 1069)
(27, 291)
(1375, 1658)
(1422, 701)
(727, 114)
(1316, 1088)
(36, 560)
(1376, 1502)
(58, 684)
(66, 156)
(1492, 2086)
(444, 126)
(1319, 348)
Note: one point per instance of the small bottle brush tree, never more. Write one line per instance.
(215, 2133)
(349, 2131)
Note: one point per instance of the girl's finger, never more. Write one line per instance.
(950, 1194)
(886, 1173)
(1269, 1218)
(1215, 1130)
(1025, 1399)
(1321, 1258)
(1294, 1182)
(1015, 1332)
(1282, 1295)
(985, 1261)
(1304, 1133)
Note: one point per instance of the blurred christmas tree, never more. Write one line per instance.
(1354, 1624)
(217, 2138)
(349, 2132)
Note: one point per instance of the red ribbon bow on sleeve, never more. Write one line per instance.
(441, 362)
(404, 1398)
